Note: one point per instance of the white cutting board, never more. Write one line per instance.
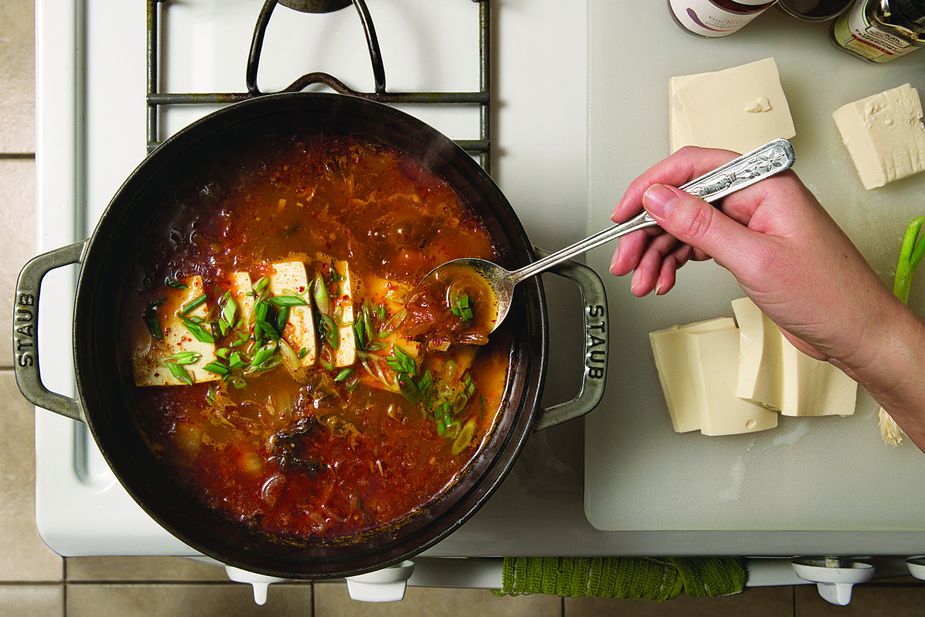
(822, 474)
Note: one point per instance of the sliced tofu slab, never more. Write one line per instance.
(343, 302)
(300, 327)
(775, 374)
(884, 135)
(759, 378)
(147, 358)
(711, 359)
(670, 350)
(739, 108)
(240, 285)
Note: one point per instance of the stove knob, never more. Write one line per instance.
(834, 577)
(259, 582)
(386, 585)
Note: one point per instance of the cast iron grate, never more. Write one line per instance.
(480, 147)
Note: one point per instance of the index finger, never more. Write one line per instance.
(681, 167)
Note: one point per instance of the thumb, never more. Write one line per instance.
(695, 222)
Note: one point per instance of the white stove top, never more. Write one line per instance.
(91, 111)
(91, 117)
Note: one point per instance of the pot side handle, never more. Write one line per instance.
(26, 331)
(594, 345)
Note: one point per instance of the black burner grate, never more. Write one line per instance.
(480, 147)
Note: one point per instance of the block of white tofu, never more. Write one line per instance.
(775, 374)
(148, 355)
(813, 387)
(759, 372)
(670, 350)
(240, 285)
(884, 135)
(739, 108)
(290, 276)
(343, 302)
(679, 129)
(712, 358)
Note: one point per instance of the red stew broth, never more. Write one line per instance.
(335, 456)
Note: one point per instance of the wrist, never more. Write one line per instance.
(893, 352)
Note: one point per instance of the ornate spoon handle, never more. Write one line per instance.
(770, 159)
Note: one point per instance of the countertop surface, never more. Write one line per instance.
(824, 475)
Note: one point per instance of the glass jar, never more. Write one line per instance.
(715, 18)
(881, 30)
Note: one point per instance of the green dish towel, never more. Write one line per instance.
(623, 577)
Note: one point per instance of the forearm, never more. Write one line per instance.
(895, 374)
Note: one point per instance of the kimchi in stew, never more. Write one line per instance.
(278, 374)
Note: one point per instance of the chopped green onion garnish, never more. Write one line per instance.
(265, 330)
(261, 284)
(335, 275)
(462, 308)
(393, 323)
(281, 318)
(263, 354)
(192, 304)
(359, 332)
(210, 395)
(320, 295)
(222, 352)
(236, 361)
(401, 362)
(216, 368)
(229, 309)
(180, 373)
(287, 301)
(464, 438)
(150, 318)
(367, 322)
(260, 310)
(302, 353)
(344, 374)
(172, 282)
(182, 358)
(328, 331)
(201, 334)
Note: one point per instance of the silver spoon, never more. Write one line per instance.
(764, 162)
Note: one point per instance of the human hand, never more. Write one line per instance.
(789, 256)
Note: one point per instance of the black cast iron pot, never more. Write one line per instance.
(110, 252)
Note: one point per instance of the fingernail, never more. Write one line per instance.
(613, 263)
(659, 200)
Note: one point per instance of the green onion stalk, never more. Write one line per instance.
(910, 255)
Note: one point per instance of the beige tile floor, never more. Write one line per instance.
(36, 582)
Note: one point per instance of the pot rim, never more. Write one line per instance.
(490, 475)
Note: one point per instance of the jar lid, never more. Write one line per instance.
(814, 10)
